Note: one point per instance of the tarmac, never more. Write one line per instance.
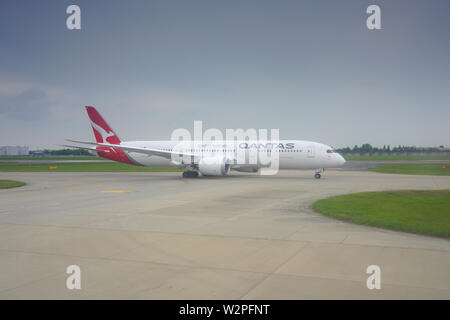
(246, 236)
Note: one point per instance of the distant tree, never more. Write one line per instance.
(366, 148)
(344, 150)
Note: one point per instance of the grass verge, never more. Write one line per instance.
(6, 184)
(389, 158)
(433, 169)
(417, 211)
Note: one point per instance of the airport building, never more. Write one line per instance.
(6, 151)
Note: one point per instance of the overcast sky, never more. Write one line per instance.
(310, 68)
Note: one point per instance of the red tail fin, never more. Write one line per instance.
(104, 134)
(102, 131)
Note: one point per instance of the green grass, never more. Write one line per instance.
(388, 158)
(431, 169)
(6, 184)
(422, 212)
(52, 158)
(81, 167)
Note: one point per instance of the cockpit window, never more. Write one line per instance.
(331, 151)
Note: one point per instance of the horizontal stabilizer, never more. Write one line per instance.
(84, 148)
(148, 151)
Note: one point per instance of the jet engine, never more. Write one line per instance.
(214, 167)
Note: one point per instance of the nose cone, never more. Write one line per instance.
(341, 160)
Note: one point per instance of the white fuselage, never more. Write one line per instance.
(293, 154)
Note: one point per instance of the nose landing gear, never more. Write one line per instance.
(318, 173)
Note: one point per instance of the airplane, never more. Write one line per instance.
(210, 158)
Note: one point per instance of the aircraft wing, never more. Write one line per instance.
(148, 151)
(84, 148)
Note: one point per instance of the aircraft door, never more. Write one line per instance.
(310, 152)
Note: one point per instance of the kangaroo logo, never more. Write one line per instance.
(105, 135)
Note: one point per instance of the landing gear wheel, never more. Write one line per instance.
(317, 176)
(190, 174)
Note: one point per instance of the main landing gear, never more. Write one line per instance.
(190, 174)
(318, 173)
